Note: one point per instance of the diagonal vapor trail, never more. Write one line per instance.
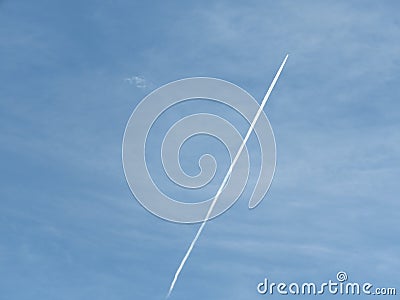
(228, 174)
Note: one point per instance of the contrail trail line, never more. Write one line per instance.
(228, 174)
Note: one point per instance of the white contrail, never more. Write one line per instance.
(228, 174)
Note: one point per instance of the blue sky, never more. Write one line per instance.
(69, 225)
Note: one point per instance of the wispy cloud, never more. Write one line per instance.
(139, 81)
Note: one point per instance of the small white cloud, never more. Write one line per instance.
(138, 81)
